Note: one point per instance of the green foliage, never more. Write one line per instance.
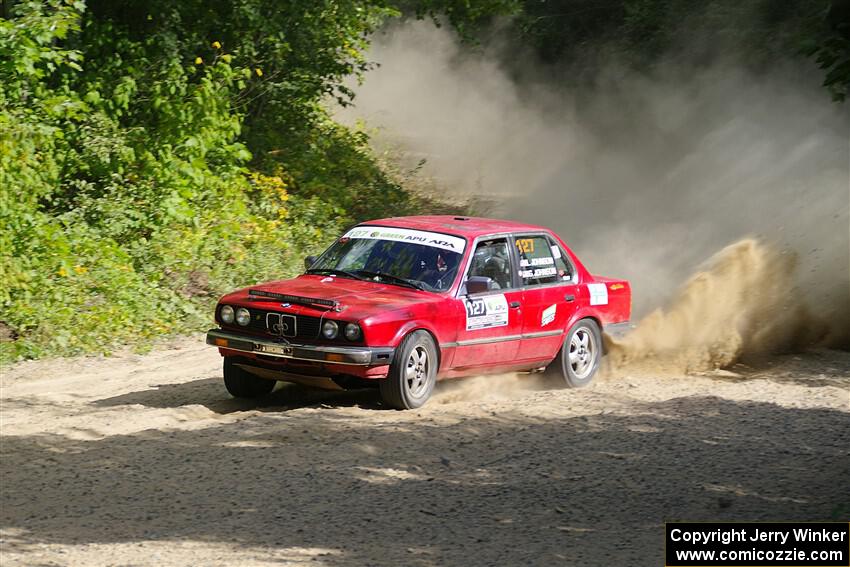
(466, 16)
(583, 33)
(832, 53)
(156, 154)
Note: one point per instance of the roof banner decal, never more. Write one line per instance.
(434, 239)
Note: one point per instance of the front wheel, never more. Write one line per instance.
(242, 384)
(413, 373)
(578, 359)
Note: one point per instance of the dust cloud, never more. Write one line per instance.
(738, 306)
(645, 175)
(492, 387)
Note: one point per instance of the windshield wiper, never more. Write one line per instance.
(393, 279)
(333, 272)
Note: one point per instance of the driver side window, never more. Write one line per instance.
(491, 259)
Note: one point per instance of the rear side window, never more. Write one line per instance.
(536, 262)
(566, 272)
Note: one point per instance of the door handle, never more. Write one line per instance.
(570, 298)
(514, 304)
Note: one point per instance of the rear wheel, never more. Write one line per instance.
(579, 357)
(413, 373)
(242, 384)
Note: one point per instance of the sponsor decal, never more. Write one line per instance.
(486, 312)
(616, 286)
(536, 262)
(538, 273)
(548, 315)
(598, 294)
(556, 251)
(433, 239)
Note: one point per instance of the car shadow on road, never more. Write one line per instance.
(210, 393)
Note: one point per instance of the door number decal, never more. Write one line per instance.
(486, 312)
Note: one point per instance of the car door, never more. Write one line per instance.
(549, 295)
(491, 324)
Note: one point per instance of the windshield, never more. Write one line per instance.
(426, 260)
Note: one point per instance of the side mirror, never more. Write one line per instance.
(478, 284)
(309, 261)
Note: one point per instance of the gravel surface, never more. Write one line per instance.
(145, 460)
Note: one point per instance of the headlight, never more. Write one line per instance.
(352, 332)
(226, 314)
(330, 329)
(243, 316)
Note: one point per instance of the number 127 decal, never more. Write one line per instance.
(525, 245)
(486, 312)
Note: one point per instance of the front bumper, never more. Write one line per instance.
(326, 354)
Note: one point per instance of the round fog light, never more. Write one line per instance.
(243, 316)
(352, 332)
(226, 314)
(330, 329)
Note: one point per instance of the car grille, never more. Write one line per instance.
(306, 327)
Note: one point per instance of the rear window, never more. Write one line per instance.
(536, 261)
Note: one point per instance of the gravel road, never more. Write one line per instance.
(145, 460)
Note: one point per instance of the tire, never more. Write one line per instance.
(578, 359)
(242, 384)
(413, 372)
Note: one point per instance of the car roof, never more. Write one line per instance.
(469, 227)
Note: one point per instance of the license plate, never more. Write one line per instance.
(275, 349)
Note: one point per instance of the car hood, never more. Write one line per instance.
(349, 297)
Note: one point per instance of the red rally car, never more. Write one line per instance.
(403, 302)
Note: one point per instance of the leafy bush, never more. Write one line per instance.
(146, 168)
